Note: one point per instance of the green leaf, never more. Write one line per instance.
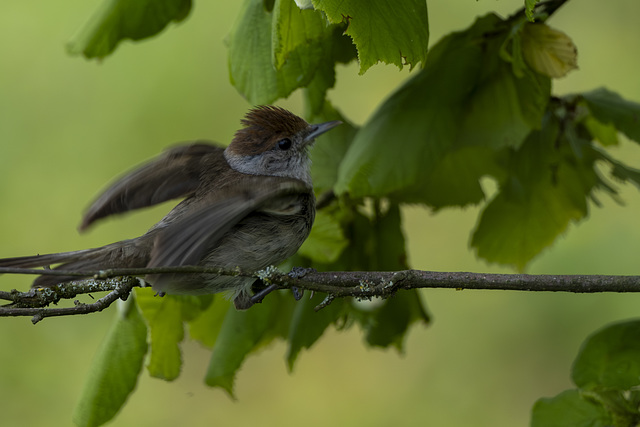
(511, 49)
(513, 230)
(293, 29)
(606, 133)
(191, 306)
(273, 52)
(390, 323)
(389, 249)
(206, 327)
(326, 241)
(307, 325)
(376, 243)
(117, 20)
(610, 358)
(330, 148)
(424, 114)
(115, 369)
(385, 30)
(547, 188)
(443, 109)
(569, 408)
(164, 318)
(336, 47)
(610, 108)
(619, 170)
(494, 115)
(241, 333)
(359, 254)
(251, 68)
(461, 170)
(529, 5)
(548, 51)
(626, 173)
(304, 4)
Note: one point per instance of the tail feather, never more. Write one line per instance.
(45, 260)
(127, 253)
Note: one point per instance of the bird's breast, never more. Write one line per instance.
(265, 237)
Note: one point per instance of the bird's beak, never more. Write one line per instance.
(317, 130)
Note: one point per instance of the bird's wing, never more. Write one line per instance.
(175, 173)
(186, 241)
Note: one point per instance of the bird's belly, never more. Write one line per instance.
(259, 241)
(255, 243)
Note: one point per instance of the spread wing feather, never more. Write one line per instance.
(173, 174)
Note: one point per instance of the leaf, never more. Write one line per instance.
(390, 322)
(206, 327)
(166, 331)
(304, 4)
(625, 173)
(545, 190)
(461, 169)
(385, 30)
(273, 52)
(466, 95)
(569, 409)
(423, 114)
(610, 108)
(504, 108)
(326, 241)
(293, 29)
(241, 333)
(117, 20)
(329, 149)
(550, 52)
(337, 48)
(529, 5)
(115, 369)
(376, 243)
(514, 230)
(610, 358)
(307, 325)
(606, 133)
(389, 252)
(251, 68)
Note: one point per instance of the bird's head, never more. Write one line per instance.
(274, 142)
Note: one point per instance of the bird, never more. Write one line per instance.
(248, 206)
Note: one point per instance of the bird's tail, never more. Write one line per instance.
(45, 260)
(110, 256)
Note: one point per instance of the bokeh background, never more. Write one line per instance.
(68, 126)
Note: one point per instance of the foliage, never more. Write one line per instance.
(115, 369)
(480, 105)
(607, 373)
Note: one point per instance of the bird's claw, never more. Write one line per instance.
(297, 293)
(300, 272)
(259, 296)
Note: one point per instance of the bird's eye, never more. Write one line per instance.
(284, 144)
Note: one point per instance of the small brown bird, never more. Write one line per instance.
(250, 205)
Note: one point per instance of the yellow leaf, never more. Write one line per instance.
(548, 51)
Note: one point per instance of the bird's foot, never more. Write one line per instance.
(300, 272)
(259, 296)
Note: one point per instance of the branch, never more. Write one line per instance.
(358, 284)
(33, 302)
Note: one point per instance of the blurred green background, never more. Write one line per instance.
(68, 126)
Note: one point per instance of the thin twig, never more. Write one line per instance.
(122, 289)
(357, 284)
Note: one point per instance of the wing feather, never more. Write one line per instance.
(186, 242)
(173, 174)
